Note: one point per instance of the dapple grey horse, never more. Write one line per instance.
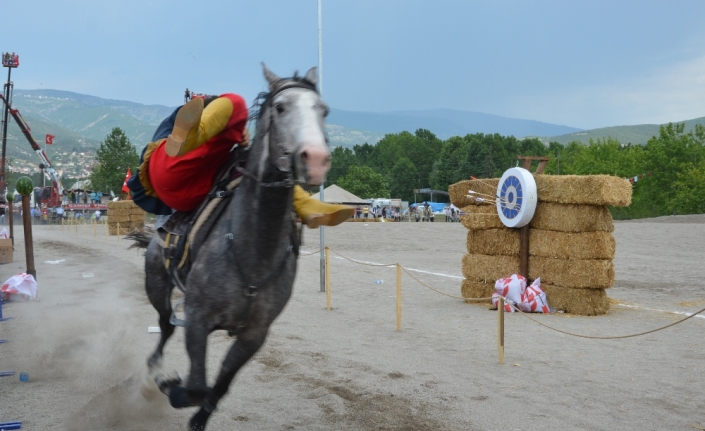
(243, 272)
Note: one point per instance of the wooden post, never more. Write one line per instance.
(28, 246)
(62, 224)
(327, 278)
(398, 297)
(500, 329)
(76, 220)
(118, 233)
(524, 251)
(11, 207)
(95, 234)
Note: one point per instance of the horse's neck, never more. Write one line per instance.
(262, 219)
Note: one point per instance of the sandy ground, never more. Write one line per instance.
(84, 343)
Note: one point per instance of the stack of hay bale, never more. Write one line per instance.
(570, 239)
(125, 214)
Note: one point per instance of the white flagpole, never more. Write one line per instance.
(320, 90)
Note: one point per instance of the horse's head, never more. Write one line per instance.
(297, 143)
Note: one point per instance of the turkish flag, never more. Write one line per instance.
(124, 184)
(49, 139)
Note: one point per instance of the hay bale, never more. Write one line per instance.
(118, 219)
(458, 192)
(120, 204)
(137, 217)
(477, 289)
(481, 267)
(482, 221)
(566, 245)
(584, 189)
(572, 218)
(494, 242)
(127, 224)
(575, 273)
(584, 302)
(137, 210)
(119, 212)
(548, 216)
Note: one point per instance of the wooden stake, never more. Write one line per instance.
(62, 224)
(398, 297)
(327, 279)
(500, 329)
(28, 244)
(118, 233)
(524, 251)
(95, 234)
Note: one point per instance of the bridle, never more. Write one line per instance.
(279, 157)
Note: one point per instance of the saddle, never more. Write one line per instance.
(184, 231)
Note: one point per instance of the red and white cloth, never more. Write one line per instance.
(531, 299)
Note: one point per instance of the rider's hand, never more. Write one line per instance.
(245, 139)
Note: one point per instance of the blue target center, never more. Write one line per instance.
(510, 197)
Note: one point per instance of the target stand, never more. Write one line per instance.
(516, 204)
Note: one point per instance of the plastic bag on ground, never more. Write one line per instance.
(530, 299)
(4, 234)
(20, 287)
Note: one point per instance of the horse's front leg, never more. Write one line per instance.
(240, 352)
(196, 390)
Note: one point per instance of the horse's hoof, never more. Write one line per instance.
(165, 381)
(199, 420)
(149, 388)
(154, 364)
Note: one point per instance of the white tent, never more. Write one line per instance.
(336, 195)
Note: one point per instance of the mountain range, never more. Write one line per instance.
(80, 122)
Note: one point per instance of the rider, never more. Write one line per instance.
(178, 167)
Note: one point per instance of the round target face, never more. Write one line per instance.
(516, 197)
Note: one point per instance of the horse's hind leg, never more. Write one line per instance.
(157, 284)
(240, 352)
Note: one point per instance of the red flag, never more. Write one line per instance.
(49, 139)
(125, 189)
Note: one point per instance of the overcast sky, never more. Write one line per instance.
(578, 63)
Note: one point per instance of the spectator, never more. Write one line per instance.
(187, 96)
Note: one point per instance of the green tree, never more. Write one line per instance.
(115, 155)
(364, 182)
(342, 159)
(403, 179)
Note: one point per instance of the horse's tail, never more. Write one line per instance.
(141, 239)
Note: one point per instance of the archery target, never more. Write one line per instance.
(516, 197)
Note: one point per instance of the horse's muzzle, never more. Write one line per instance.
(312, 165)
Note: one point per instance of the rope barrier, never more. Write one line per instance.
(442, 293)
(598, 337)
(363, 263)
(302, 253)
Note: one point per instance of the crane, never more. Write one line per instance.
(53, 196)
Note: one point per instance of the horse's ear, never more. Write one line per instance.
(272, 79)
(312, 76)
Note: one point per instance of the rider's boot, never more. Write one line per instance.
(195, 125)
(315, 213)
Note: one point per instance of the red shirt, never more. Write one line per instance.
(183, 182)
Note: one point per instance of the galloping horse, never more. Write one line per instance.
(243, 271)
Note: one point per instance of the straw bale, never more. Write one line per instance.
(119, 212)
(584, 302)
(575, 273)
(120, 204)
(118, 219)
(480, 267)
(504, 242)
(458, 192)
(584, 189)
(566, 245)
(477, 289)
(137, 210)
(572, 218)
(137, 217)
(482, 221)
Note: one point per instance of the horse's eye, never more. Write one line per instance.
(280, 108)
